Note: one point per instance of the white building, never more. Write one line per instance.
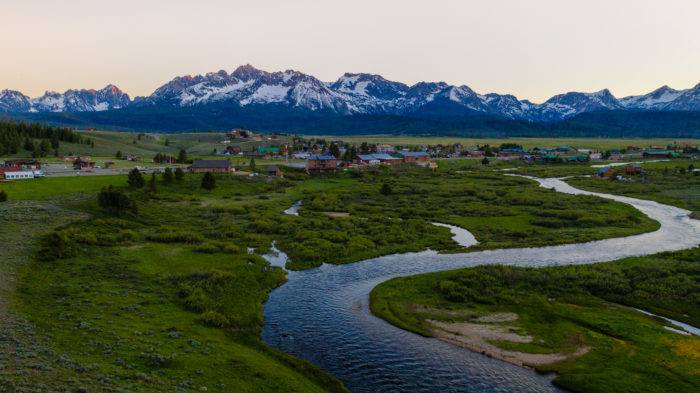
(22, 175)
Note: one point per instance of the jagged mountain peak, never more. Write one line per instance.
(351, 93)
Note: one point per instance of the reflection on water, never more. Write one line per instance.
(322, 314)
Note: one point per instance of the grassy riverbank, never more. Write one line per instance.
(578, 315)
(665, 182)
(170, 298)
(143, 302)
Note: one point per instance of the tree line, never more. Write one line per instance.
(17, 136)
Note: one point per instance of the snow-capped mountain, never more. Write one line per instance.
(563, 106)
(351, 94)
(14, 101)
(107, 98)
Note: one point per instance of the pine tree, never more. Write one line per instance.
(44, 147)
(168, 175)
(182, 157)
(3, 196)
(152, 183)
(334, 150)
(208, 181)
(119, 155)
(135, 179)
(179, 174)
(28, 145)
(251, 165)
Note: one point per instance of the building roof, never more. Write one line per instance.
(272, 168)
(413, 153)
(656, 151)
(268, 149)
(376, 156)
(322, 157)
(211, 164)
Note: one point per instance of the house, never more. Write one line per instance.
(378, 158)
(211, 166)
(238, 133)
(301, 155)
(413, 156)
(510, 154)
(367, 159)
(321, 163)
(606, 172)
(634, 169)
(19, 175)
(475, 153)
(232, 150)
(615, 155)
(656, 153)
(578, 158)
(23, 164)
(80, 164)
(274, 170)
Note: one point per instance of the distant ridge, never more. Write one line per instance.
(290, 100)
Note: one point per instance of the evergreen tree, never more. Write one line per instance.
(485, 161)
(135, 179)
(334, 150)
(3, 196)
(54, 142)
(119, 155)
(168, 175)
(251, 165)
(28, 145)
(182, 157)
(179, 174)
(44, 147)
(208, 181)
(115, 201)
(152, 183)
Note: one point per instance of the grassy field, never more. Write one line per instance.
(665, 182)
(146, 303)
(170, 298)
(591, 143)
(579, 314)
(54, 186)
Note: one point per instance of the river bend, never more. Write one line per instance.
(322, 315)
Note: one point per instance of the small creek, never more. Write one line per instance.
(322, 315)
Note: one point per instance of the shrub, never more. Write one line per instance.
(168, 175)
(179, 174)
(215, 319)
(208, 181)
(58, 244)
(175, 237)
(3, 196)
(115, 201)
(135, 179)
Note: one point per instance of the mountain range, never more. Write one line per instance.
(249, 93)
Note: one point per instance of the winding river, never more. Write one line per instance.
(322, 314)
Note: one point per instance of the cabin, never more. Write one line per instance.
(81, 163)
(23, 164)
(321, 163)
(211, 166)
(414, 156)
(274, 170)
(232, 150)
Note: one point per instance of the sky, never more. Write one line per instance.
(530, 48)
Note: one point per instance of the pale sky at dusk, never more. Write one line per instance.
(533, 49)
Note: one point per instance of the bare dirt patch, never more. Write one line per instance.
(477, 337)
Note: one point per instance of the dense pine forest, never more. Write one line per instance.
(17, 136)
